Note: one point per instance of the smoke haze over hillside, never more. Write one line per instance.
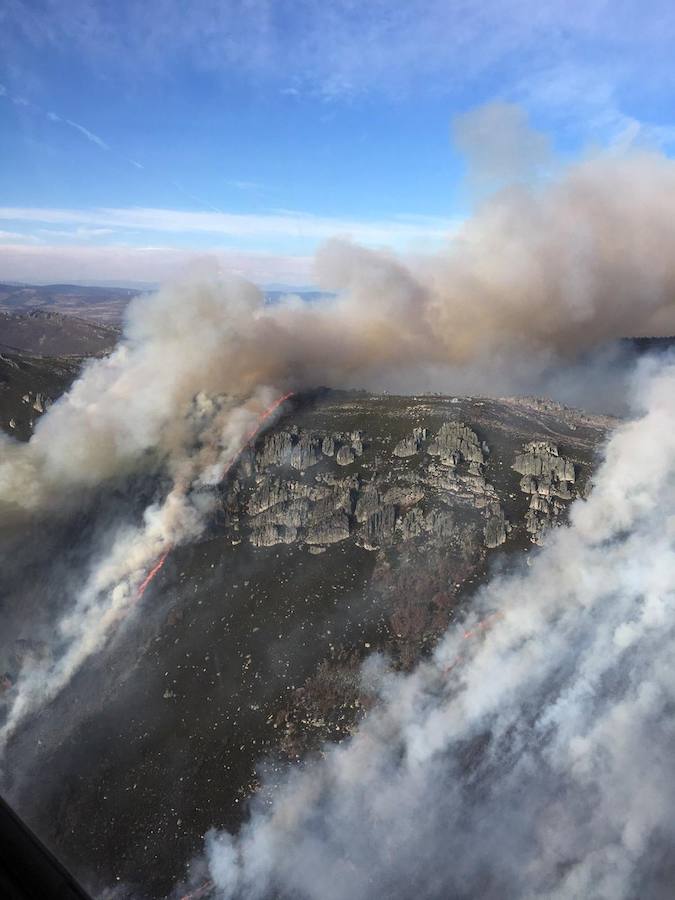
(536, 276)
(545, 716)
(530, 760)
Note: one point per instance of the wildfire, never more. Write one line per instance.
(151, 574)
(483, 625)
(199, 893)
(479, 628)
(262, 418)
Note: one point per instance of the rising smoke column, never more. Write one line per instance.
(539, 272)
(118, 581)
(540, 764)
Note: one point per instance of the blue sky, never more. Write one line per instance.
(136, 137)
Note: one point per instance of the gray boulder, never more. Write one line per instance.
(345, 456)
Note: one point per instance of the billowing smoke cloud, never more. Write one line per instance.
(500, 146)
(532, 759)
(541, 273)
(534, 273)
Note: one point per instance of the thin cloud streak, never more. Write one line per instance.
(303, 225)
(90, 136)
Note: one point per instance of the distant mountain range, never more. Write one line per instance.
(104, 304)
(43, 332)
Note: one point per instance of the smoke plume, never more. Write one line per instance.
(533, 759)
(542, 273)
(536, 276)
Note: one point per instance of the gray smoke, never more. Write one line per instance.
(532, 760)
(538, 275)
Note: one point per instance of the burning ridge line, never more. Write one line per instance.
(262, 418)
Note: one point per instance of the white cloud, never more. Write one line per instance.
(396, 232)
(81, 233)
(90, 136)
(342, 48)
(243, 185)
(15, 236)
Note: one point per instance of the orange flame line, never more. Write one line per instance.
(202, 891)
(262, 418)
(151, 574)
(482, 625)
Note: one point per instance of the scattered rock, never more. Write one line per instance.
(345, 456)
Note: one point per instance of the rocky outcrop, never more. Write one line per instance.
(38, 401)
(380, 525)
(272, 491)
(329, 530)
(275, 451)
(406, 494)
(284, 510)
(548, 478)
(328, 446)
(270, 534)
(456, 443)
(357, 442)
(305, 452)
(542, 460)
(412, 444)
(345, 456)
(368, 501)
(414, 497)
(413, 524)
(496, 526)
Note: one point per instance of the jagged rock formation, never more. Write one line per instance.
(411, 445)
(548, 479)
(456, 443)
(496, 527)
(413, 501)
(305, 452)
